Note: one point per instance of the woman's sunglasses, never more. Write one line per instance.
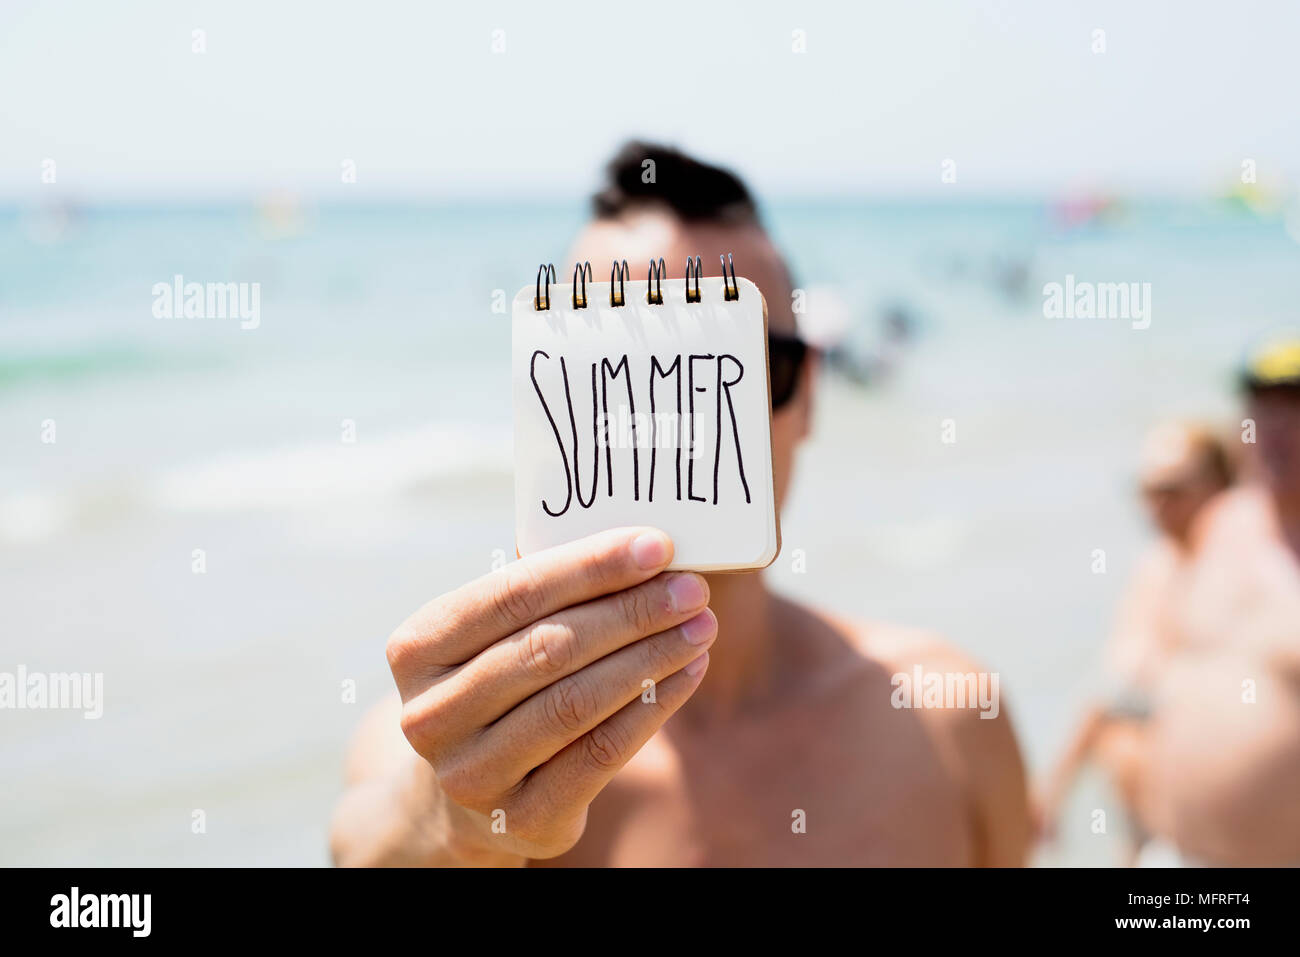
(785, 356)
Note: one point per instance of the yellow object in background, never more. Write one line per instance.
(1276, 363)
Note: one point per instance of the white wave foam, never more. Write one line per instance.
(298, 477)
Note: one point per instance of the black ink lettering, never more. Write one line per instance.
(654, 422)
(724, 388)
(691, 390)
(595, 440)
(631, 408)
(611, 370)
(564, 456)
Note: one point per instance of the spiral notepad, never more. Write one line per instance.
(645, 403)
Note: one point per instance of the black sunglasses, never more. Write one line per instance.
(785, 355)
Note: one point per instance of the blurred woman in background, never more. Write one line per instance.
(1183, 467)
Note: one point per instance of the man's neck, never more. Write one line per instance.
(741, 659)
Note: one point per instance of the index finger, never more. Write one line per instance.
(455, 627)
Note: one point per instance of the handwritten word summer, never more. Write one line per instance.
(708, 380)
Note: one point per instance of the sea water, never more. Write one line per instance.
(227, 522)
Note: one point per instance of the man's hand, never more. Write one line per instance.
(529, 688)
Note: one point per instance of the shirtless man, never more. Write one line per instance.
(1222, 778)
(1183, 467)
(521, 692)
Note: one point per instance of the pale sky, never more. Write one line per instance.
(414, 94)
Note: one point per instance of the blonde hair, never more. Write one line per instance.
(1202, 443)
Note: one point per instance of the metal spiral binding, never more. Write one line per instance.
(548, 270)
(619, 273)
(696, 269)
(583, 270)
(620, 270)
(654, 293)
(730, 291)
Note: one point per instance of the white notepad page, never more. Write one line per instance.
(704, 478)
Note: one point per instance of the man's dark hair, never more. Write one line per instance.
(693, 191)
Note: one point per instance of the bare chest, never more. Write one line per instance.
(783, 793)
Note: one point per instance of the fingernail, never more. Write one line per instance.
(696, 667)
(651, 549)
(701, 628)
(687, 591)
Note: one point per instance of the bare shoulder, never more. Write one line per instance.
(1240, 513)
(974, 735)
(898, 648)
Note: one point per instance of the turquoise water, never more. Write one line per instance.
(384, 315)
(222, 690)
